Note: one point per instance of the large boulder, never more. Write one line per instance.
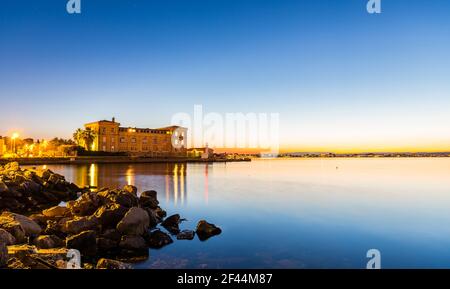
(85, 242)
(206, 230)
(135, 222)
(86, 205)
(56, 212)
(105, 244)
(130, 189)
(112, 264)
(171, 224)
(80, 224)
(132, 242)
(125, 199)
(19, 226)
(158, 239)
(110, 214)
(6, 238)
(48, 241)
(148, 199)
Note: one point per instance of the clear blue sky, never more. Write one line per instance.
(339, 77)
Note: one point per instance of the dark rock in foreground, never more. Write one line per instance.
(158, 239)
(102, 225)
(29, 190)
(206, 230)
(186, 235)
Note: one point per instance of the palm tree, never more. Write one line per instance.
(78, 137)
(88, 138)
(84, 138)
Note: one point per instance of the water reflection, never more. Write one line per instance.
(169, 180)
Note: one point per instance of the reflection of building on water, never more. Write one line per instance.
(176, 172)
(169, 180)
(206, 184)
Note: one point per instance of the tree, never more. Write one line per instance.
(84, 138)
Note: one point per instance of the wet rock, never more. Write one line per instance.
(40, 219)
(206, 230)
(112, 264)
(3, 189)
(171, 224)
(132, 242)
(26, 256)
(158, 239)
(80, 224)
(6, 238)
(125, 199)
(56, 212)
(148, 199)
(30, 186)
(186, 235)
(19, 226)
(112, 234)
(85, 242)
(109, 215)
(86, 205)
(130, 189)
(105, 244)
(135, 222)
(48, 241)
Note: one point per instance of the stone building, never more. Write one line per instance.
(111, 137)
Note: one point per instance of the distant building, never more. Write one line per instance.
(111, 137)
(204, 153)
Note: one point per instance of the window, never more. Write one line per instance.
(104, 129)
(104, 139)
(144, 140)
(112, 130)
(155, 140)
(112, 148)
(104, 148)
(123, 140)
(133, 140)
(112, 139)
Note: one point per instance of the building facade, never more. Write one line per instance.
(111, 137)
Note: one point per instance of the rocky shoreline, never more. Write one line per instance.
(103, 229)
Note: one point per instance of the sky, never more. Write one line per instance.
(341, 79)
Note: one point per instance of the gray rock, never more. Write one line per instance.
(132, 242)
(135, 222)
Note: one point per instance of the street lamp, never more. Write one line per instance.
(14, 137)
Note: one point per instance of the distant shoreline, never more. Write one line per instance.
(113, 160)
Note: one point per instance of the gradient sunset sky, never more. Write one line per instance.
(340, 78)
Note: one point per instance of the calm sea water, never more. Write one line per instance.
(296, 213)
